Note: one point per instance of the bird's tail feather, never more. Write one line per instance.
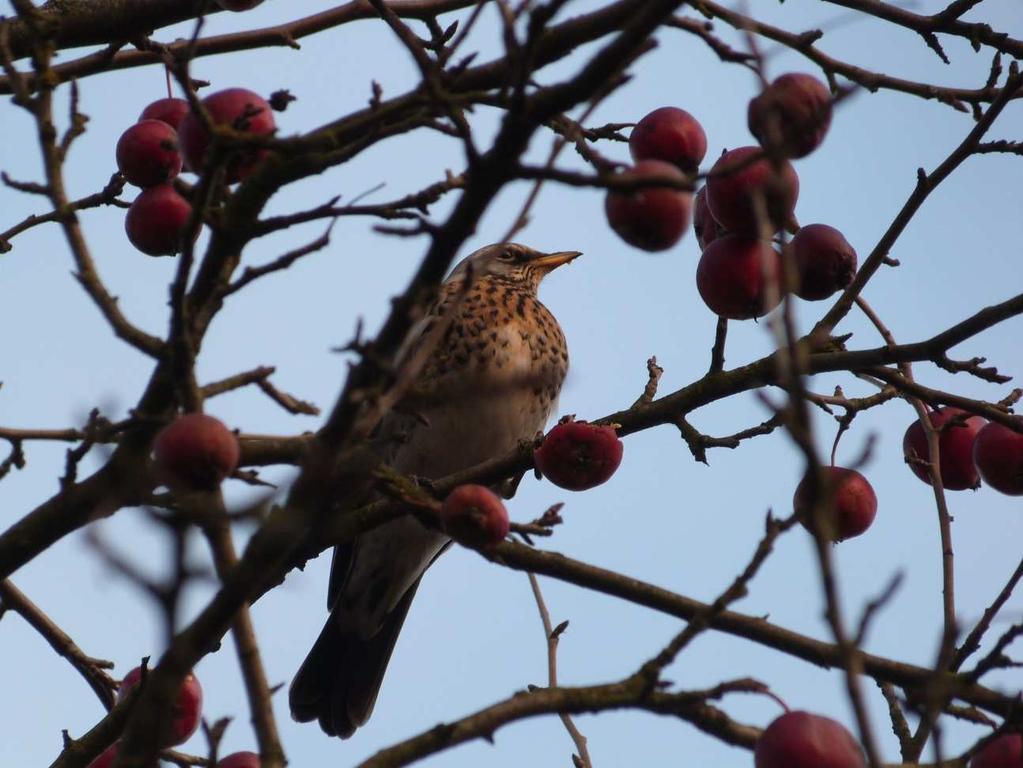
(338, 682)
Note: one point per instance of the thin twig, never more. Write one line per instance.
(553, 634)
(92, 670)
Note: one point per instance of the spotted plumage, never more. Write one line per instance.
(491, 380)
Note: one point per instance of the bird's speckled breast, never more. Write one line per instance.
(493, 379)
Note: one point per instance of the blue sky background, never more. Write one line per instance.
(474, 636)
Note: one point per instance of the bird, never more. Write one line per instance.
(491, 380)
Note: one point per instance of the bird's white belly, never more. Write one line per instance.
(469, 426)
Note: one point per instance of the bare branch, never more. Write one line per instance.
(92, 670)
(552, 635)
(107, 196)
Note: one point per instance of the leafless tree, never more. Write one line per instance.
(305, 522)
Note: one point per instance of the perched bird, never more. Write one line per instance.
(490, 381)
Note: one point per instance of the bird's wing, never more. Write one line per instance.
(387, 436)
(340, 566)
(387, 440)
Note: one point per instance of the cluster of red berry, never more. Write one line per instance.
(749, 197)
(149, 156)
(187, 712)
(169, 138)
(970, 449)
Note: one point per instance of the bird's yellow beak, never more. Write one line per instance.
(554, 260)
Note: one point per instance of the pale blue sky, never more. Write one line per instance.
(473, 636)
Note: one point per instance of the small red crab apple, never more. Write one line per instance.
(955, 446)
(236, 108)
(854, 503)
(187, 707)
(577, 455)
(1005, 751)
(475, 516)
(148, 154)
(804, 740)
(998, 454)
(239, 760)
(705, 225)
(742, 177)
(651, 218)
(157, 220)
(792, 115)
(824, 261)
(105, 759)
(672, 135)
(195, 452)
(739, 277)
(170, 110)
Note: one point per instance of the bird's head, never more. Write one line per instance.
(511, 262)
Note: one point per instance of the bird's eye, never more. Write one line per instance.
(508, 256)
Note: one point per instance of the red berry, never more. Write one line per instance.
(236, 108)
(671, 135)
(824, 261)
(238, 5)
(157, 220)
(187, 707)
(105, 758)
(128, 682)
(651, 218)
(240, 760)
(955, 445)
(577, 455)
(475, 516)
(739, 277)
(853, 506)
(147, 153)
(1006, 751)
(804, 740)
(739, 185)
(170, 110)
(704, 224)
(792, 115)
(195, 451)
(998, 454)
